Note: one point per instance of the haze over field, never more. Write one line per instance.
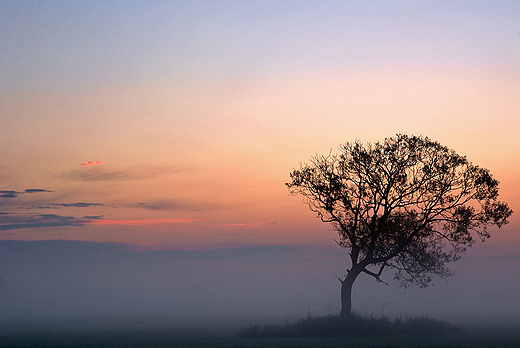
(144, 148)
(63, 280)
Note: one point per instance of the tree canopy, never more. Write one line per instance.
(407, 203)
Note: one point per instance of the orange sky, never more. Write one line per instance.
(191, 128)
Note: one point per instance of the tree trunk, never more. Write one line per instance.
(346, 294)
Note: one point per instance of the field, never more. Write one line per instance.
(216, 333)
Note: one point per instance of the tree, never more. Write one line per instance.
(408, 204)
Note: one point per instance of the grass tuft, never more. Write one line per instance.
(356, 325)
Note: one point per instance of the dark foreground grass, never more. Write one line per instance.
(354, 326)
(305, 333)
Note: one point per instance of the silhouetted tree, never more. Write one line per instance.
(407, 203)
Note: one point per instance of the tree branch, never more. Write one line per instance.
(377, 275)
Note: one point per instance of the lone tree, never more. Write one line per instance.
(407, 203)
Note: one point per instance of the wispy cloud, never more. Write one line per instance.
(141, 222)
(36, 190)
(93, 217)
(91, 163)
(79, 205)
(102, 173)
(14, 194)
(163, 205)
(14, 222)
(9, 194)
(156, 206)
(54, 217)
(99, 175)
(20, 221)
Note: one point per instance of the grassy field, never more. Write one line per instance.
(254, 336)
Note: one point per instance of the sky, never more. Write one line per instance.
(173, 126)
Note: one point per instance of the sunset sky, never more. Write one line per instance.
(179, 122)
(175, 125)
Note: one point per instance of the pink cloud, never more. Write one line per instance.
(91, 163)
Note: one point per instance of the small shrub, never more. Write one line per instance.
(330, 326)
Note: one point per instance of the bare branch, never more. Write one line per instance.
(377, 275)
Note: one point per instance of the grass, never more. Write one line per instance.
(335, 326)
(310, 332)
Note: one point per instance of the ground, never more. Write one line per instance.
(148, 336)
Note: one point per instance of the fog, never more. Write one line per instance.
(56, 280)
